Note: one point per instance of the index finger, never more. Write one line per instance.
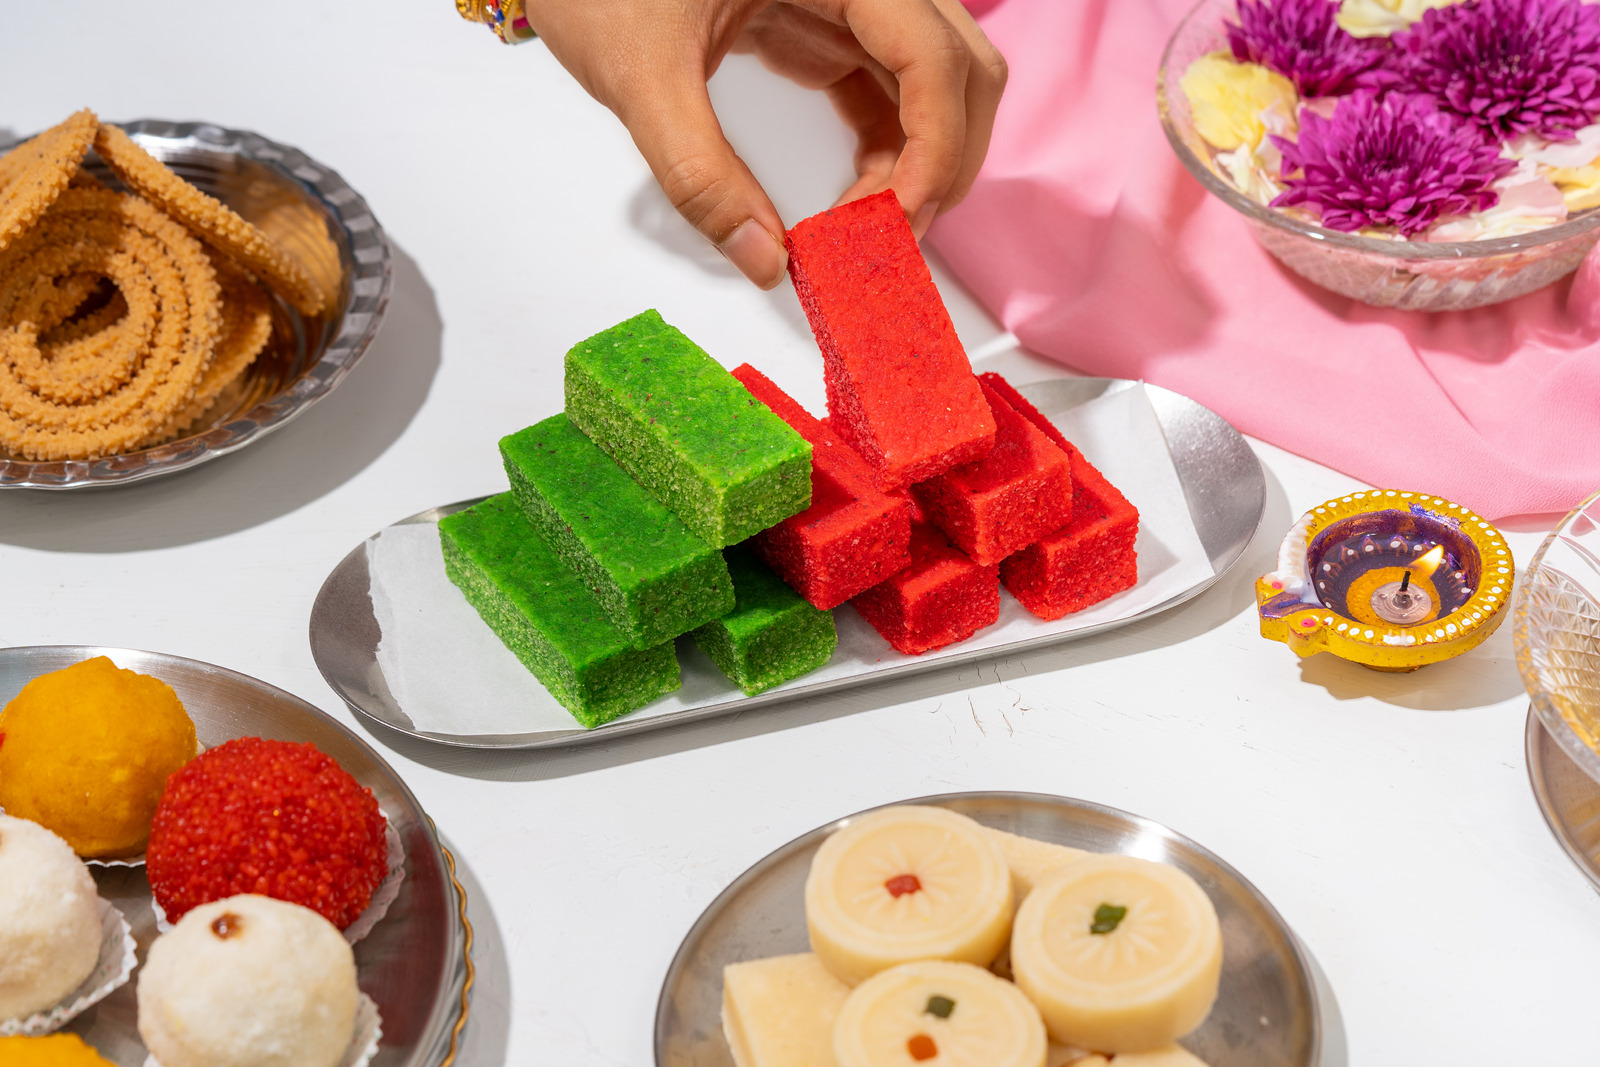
(929, 60)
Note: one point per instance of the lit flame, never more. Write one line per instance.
(1425, 564)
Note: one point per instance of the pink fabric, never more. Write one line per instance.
(1090, 242)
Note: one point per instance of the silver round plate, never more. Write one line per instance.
(414, 964)
(315, 216)
(1568, 798)
(1223, 487)
(1266, 1014)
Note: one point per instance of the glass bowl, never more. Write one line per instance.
(1410, 275)
(1557, 634)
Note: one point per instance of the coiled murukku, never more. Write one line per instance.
(246, 328)
(36, 172)
(219, 224)
(106, 392)
(124, 323)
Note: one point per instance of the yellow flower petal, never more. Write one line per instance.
(1382, 18)
(1580, 186)
(1227, 99)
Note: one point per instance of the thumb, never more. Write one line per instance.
(679, 136)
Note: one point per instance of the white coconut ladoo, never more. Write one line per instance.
(907, 883)
(249, 982)
(50, 929)
(949, 1014)
(1119, 954)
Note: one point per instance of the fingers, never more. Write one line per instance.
(677, 132)
(875, 118)
(929, 61)
(986, 82)
(934, 64)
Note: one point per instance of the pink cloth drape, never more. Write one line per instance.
(1089, 241)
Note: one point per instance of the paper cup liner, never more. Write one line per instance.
(111, 971)
(377, 907)
(124, 861)
(387, 890)
(363, 1043)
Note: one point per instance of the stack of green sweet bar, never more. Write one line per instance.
(609, 544)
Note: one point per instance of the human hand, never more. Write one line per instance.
(916, 80)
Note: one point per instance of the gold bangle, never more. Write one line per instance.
(505, 17)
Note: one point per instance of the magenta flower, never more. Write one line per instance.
(1300, 40)
(1508, 66)
(1388, 160)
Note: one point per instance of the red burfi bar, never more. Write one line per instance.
(1091, 557)
(1007, 500)
(942, 598)
(853, 536)
(900, 388)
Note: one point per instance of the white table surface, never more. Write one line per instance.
(1388, 817)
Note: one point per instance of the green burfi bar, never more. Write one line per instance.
(686, 430)
(544, 614)
(654, 578)
(773, 634)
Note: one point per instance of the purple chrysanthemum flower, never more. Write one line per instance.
(1388, 160)
(1508, 66)
(1300, 40)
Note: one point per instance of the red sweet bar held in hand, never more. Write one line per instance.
(853, 536)
(900, 388)
(1018, 493)
(942, 598)
(1091, 557)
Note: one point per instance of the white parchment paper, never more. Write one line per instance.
(450, 674)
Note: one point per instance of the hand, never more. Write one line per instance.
(916, 80)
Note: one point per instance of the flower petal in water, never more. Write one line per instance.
(1381, 18)
(1228, 100)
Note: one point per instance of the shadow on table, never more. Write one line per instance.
(488, 1030)
(320, 451)
(1233, 593)
(1486, 675)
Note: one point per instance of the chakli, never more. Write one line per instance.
(124, 316)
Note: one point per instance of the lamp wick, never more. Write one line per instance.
(1405, 581)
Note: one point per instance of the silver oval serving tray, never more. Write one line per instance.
(1266, 1014)
(1224, 490)
(1568, 798)
(314, 214)
(415, 962)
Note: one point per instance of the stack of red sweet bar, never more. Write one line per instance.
(930, 487)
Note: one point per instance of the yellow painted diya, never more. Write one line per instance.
(1388, 579)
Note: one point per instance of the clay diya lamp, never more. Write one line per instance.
(1391, 580)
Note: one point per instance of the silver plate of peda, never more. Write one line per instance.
(1267, 1012)
(391, 636)
(414, 963)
